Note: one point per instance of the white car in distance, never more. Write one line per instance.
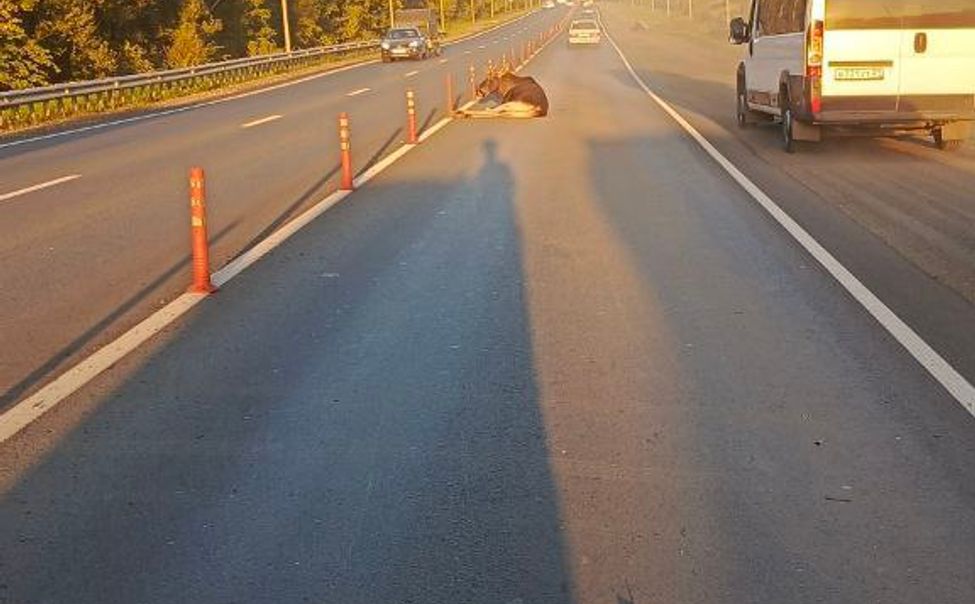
(584, 32)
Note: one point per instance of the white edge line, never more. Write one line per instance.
(410, 74)
(942, 371)
(240, 263)
(43, 185)
(434, 129)
(358, 92)
(263, 120)
(166, 112)
(33, 407)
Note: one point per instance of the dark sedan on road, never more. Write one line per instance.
(407, 43)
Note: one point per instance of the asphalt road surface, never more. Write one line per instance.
(560, 360)
(83, 260)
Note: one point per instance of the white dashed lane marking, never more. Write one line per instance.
(263, 120)
(43, 185)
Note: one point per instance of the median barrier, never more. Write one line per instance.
(449, 87)
(411, 118)
(198, 234)
(202, 282)
(345, 152)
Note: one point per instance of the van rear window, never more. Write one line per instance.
(900, 14)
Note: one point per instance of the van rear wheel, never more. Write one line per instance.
(788, 123)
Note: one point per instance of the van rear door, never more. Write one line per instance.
(861, 56)
(938, 58)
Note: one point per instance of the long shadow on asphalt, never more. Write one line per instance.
(355, 419)
(827, 452)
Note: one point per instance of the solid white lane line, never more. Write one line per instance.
(43, 185)
(358, 92)
(942, 371)
(31, 408)
(410, 74)
(263, 120)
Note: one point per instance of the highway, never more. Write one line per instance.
(125, 212)
(563, 360)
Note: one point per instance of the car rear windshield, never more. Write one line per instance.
(400, 34)
(899, 14)
(584, 25)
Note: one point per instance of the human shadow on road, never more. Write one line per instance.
(354, 419)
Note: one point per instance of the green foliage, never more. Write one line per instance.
(51, 41)
(68, 30)
(317, 22)
(191, 41)
(364, 18)
(25, 63)
(257, 24)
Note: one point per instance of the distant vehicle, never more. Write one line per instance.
(587, 3)
(587, 13)
(548, 4)
(407, 43)
(877, 67)
(584, 32)
(416, 34)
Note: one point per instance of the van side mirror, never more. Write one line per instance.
(739, 31)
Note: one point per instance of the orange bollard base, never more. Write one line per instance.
(202, 288)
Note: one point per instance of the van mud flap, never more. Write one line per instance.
(802, 131)
(956, 131)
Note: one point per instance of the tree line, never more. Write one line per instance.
(51, 41)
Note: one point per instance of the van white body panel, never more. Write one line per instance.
(946, 67)
(881, 65)
(772, 56)
(847, 49)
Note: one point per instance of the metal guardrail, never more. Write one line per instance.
(55, 91)
(33, 105)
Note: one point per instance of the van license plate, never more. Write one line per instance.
(858, 73)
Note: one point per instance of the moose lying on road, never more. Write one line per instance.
(520, 97)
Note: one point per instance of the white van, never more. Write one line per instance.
(867, 66)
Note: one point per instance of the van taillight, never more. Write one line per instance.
(814, 50)
(814, 66)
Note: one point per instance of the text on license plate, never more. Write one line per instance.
(858, 73)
